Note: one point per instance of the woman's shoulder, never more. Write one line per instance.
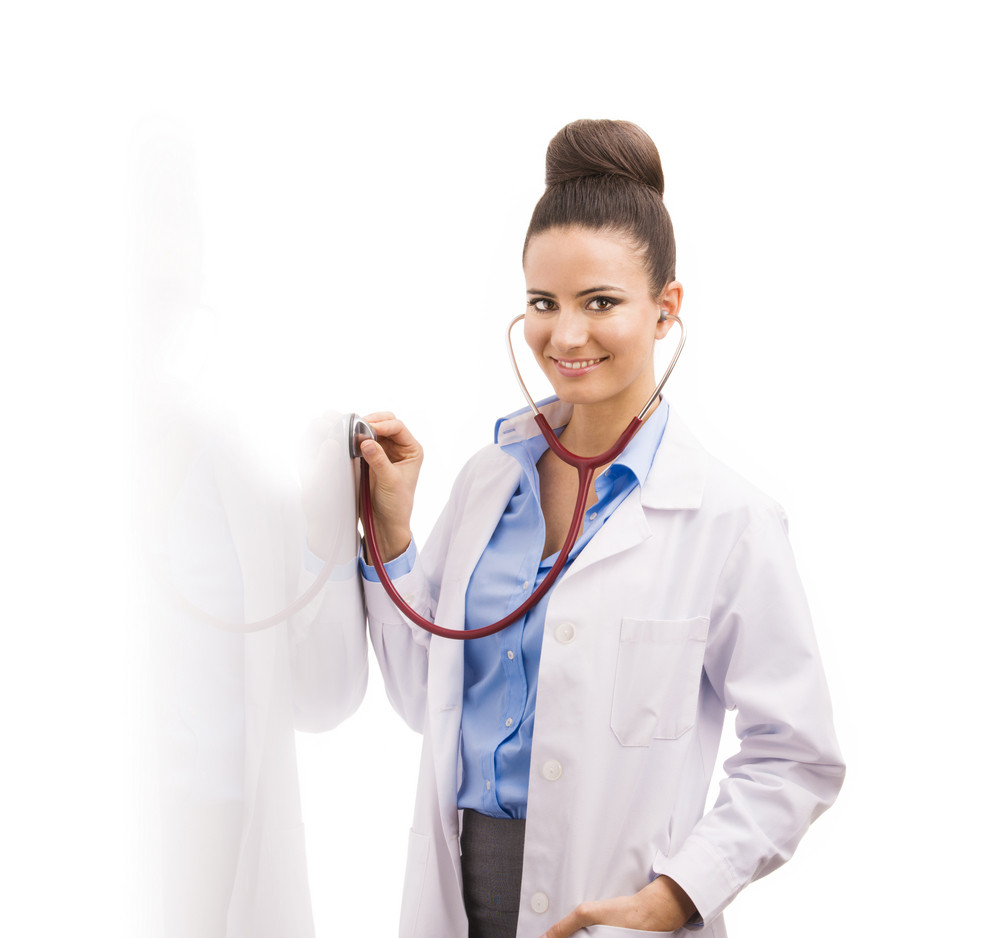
(488, 466)
(687, 475)
(489, 458)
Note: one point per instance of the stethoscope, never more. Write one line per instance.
(586, 467)
(359, 430)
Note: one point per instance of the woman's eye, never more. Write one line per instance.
(602, 304)
(541, 305)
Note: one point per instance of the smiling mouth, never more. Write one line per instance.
(578, 362)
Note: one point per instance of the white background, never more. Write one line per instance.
(363, 179)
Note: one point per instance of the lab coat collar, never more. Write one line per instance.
(520, 425)
(676, 479)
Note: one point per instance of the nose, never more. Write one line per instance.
(569, 331)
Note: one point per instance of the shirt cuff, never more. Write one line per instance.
(402, 565)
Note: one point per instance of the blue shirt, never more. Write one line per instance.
(501, 670)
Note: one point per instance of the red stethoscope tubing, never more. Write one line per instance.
(585, 467)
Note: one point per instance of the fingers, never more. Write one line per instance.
(569, 925)
(322, 437)
(655, 907)
(375, 456)
(385, 423)
(395, 438)
(389, 426)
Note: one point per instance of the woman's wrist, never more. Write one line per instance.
(678, 897)
(391, 544)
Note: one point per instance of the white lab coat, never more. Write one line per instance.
(234, 859)
(684, 604)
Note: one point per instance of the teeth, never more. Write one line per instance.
(580, 364)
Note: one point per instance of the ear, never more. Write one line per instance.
(669, 301)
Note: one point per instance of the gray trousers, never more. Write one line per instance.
(492, 855)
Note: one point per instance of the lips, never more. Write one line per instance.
(577, 366)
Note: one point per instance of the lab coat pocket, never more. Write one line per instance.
(657, 678)
(416, 868)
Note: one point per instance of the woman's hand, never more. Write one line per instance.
(394, 464)
(660, 906)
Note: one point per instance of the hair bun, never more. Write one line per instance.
(603, 148)
(606, 176)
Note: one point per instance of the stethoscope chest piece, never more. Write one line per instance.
(358, 430)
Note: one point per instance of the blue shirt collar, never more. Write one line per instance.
(518, 435)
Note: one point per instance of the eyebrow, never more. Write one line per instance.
(601, 289)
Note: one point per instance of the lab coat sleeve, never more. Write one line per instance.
(761, 659)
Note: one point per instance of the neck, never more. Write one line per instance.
(595, 428)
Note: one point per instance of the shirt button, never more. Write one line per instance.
(510, 655)
(539, 902)
(565, 632)
(527, 583)
(508, 722)
(593, 516)
(552, 770)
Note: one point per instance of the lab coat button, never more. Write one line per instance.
(565, 632)
(539, 902)
(552, 770)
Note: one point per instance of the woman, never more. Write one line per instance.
(567, 758)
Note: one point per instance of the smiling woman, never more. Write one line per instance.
(582, 738)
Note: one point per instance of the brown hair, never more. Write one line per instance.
(606, 175)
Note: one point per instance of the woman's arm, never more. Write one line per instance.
(763, 661)
(400, 648)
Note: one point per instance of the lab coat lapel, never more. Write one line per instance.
(626, 528)
(489, 494)
(676, 481)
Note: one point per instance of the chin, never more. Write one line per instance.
(571, 395)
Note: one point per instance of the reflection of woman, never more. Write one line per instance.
(567, 758)
(222, 539)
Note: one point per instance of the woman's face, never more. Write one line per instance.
(591, 321)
